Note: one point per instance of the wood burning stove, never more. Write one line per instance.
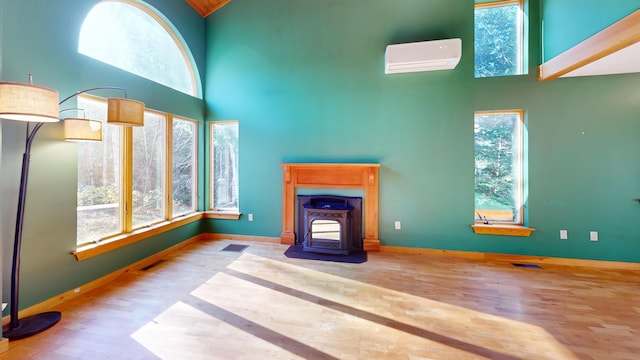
(330, 224)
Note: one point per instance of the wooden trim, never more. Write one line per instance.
(249, 238)
(89, 251)
(511, 258)
(168, 163)
(207, 7)
(221, 215)
(615, 37)
(499, 3)
(82, 289)
(502, 229)
(4, 345)
(369, 245)
(336, 176)
(433, 252)
(127, 179)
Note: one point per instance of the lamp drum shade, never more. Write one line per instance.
(27, 102)
(125, 112)
(82, 129)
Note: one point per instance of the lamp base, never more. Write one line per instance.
(32, 325)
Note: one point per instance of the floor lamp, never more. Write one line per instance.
(39, 105)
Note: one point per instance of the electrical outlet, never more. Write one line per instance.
(398, 225)
(250, 216)
(593, 236)
(564, 235)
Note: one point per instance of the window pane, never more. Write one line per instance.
(498, 167)
(149, 170)
(184, 166)
(98, 178)
(498, 40)
(129, 38)
(225, 166)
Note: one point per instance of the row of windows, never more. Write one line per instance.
(136, 176)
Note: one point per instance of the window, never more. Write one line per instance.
(224, 167)
(149, 170)
(499, 167)
(183, 174)
(159, 162)
(99, 178)
(134, 37)
(499, 38)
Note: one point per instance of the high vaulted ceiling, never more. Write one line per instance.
(206, 7)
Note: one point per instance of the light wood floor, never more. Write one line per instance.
(204, 303)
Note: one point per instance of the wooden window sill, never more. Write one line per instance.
(502, 229)
(222, 215)
(106, 245)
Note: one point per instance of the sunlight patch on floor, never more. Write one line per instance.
(183, 332)
(498, 334)
(335, 333)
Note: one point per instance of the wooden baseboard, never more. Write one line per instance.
(371, 245)
(4, 345)
(250, 238)
(80, 290)
(527, 259)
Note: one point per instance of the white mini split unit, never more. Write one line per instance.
(422, 56)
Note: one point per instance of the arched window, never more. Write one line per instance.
(134, 37)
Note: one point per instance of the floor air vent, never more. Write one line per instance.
(533, 266)
(152, 265)
(235, 248)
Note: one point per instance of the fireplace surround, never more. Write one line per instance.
(362, 176)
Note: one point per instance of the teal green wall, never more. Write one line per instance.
(569, 22)
(40, 38)
(306, 81)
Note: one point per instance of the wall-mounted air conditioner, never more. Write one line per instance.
(422, 56)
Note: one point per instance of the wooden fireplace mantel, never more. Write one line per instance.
(336, 176)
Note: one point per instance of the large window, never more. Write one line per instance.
(499, 38)
(499, 167)
(134, 37)
(224, 166)
(123, 190)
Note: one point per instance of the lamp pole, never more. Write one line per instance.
(21, 328)
(31, 325)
